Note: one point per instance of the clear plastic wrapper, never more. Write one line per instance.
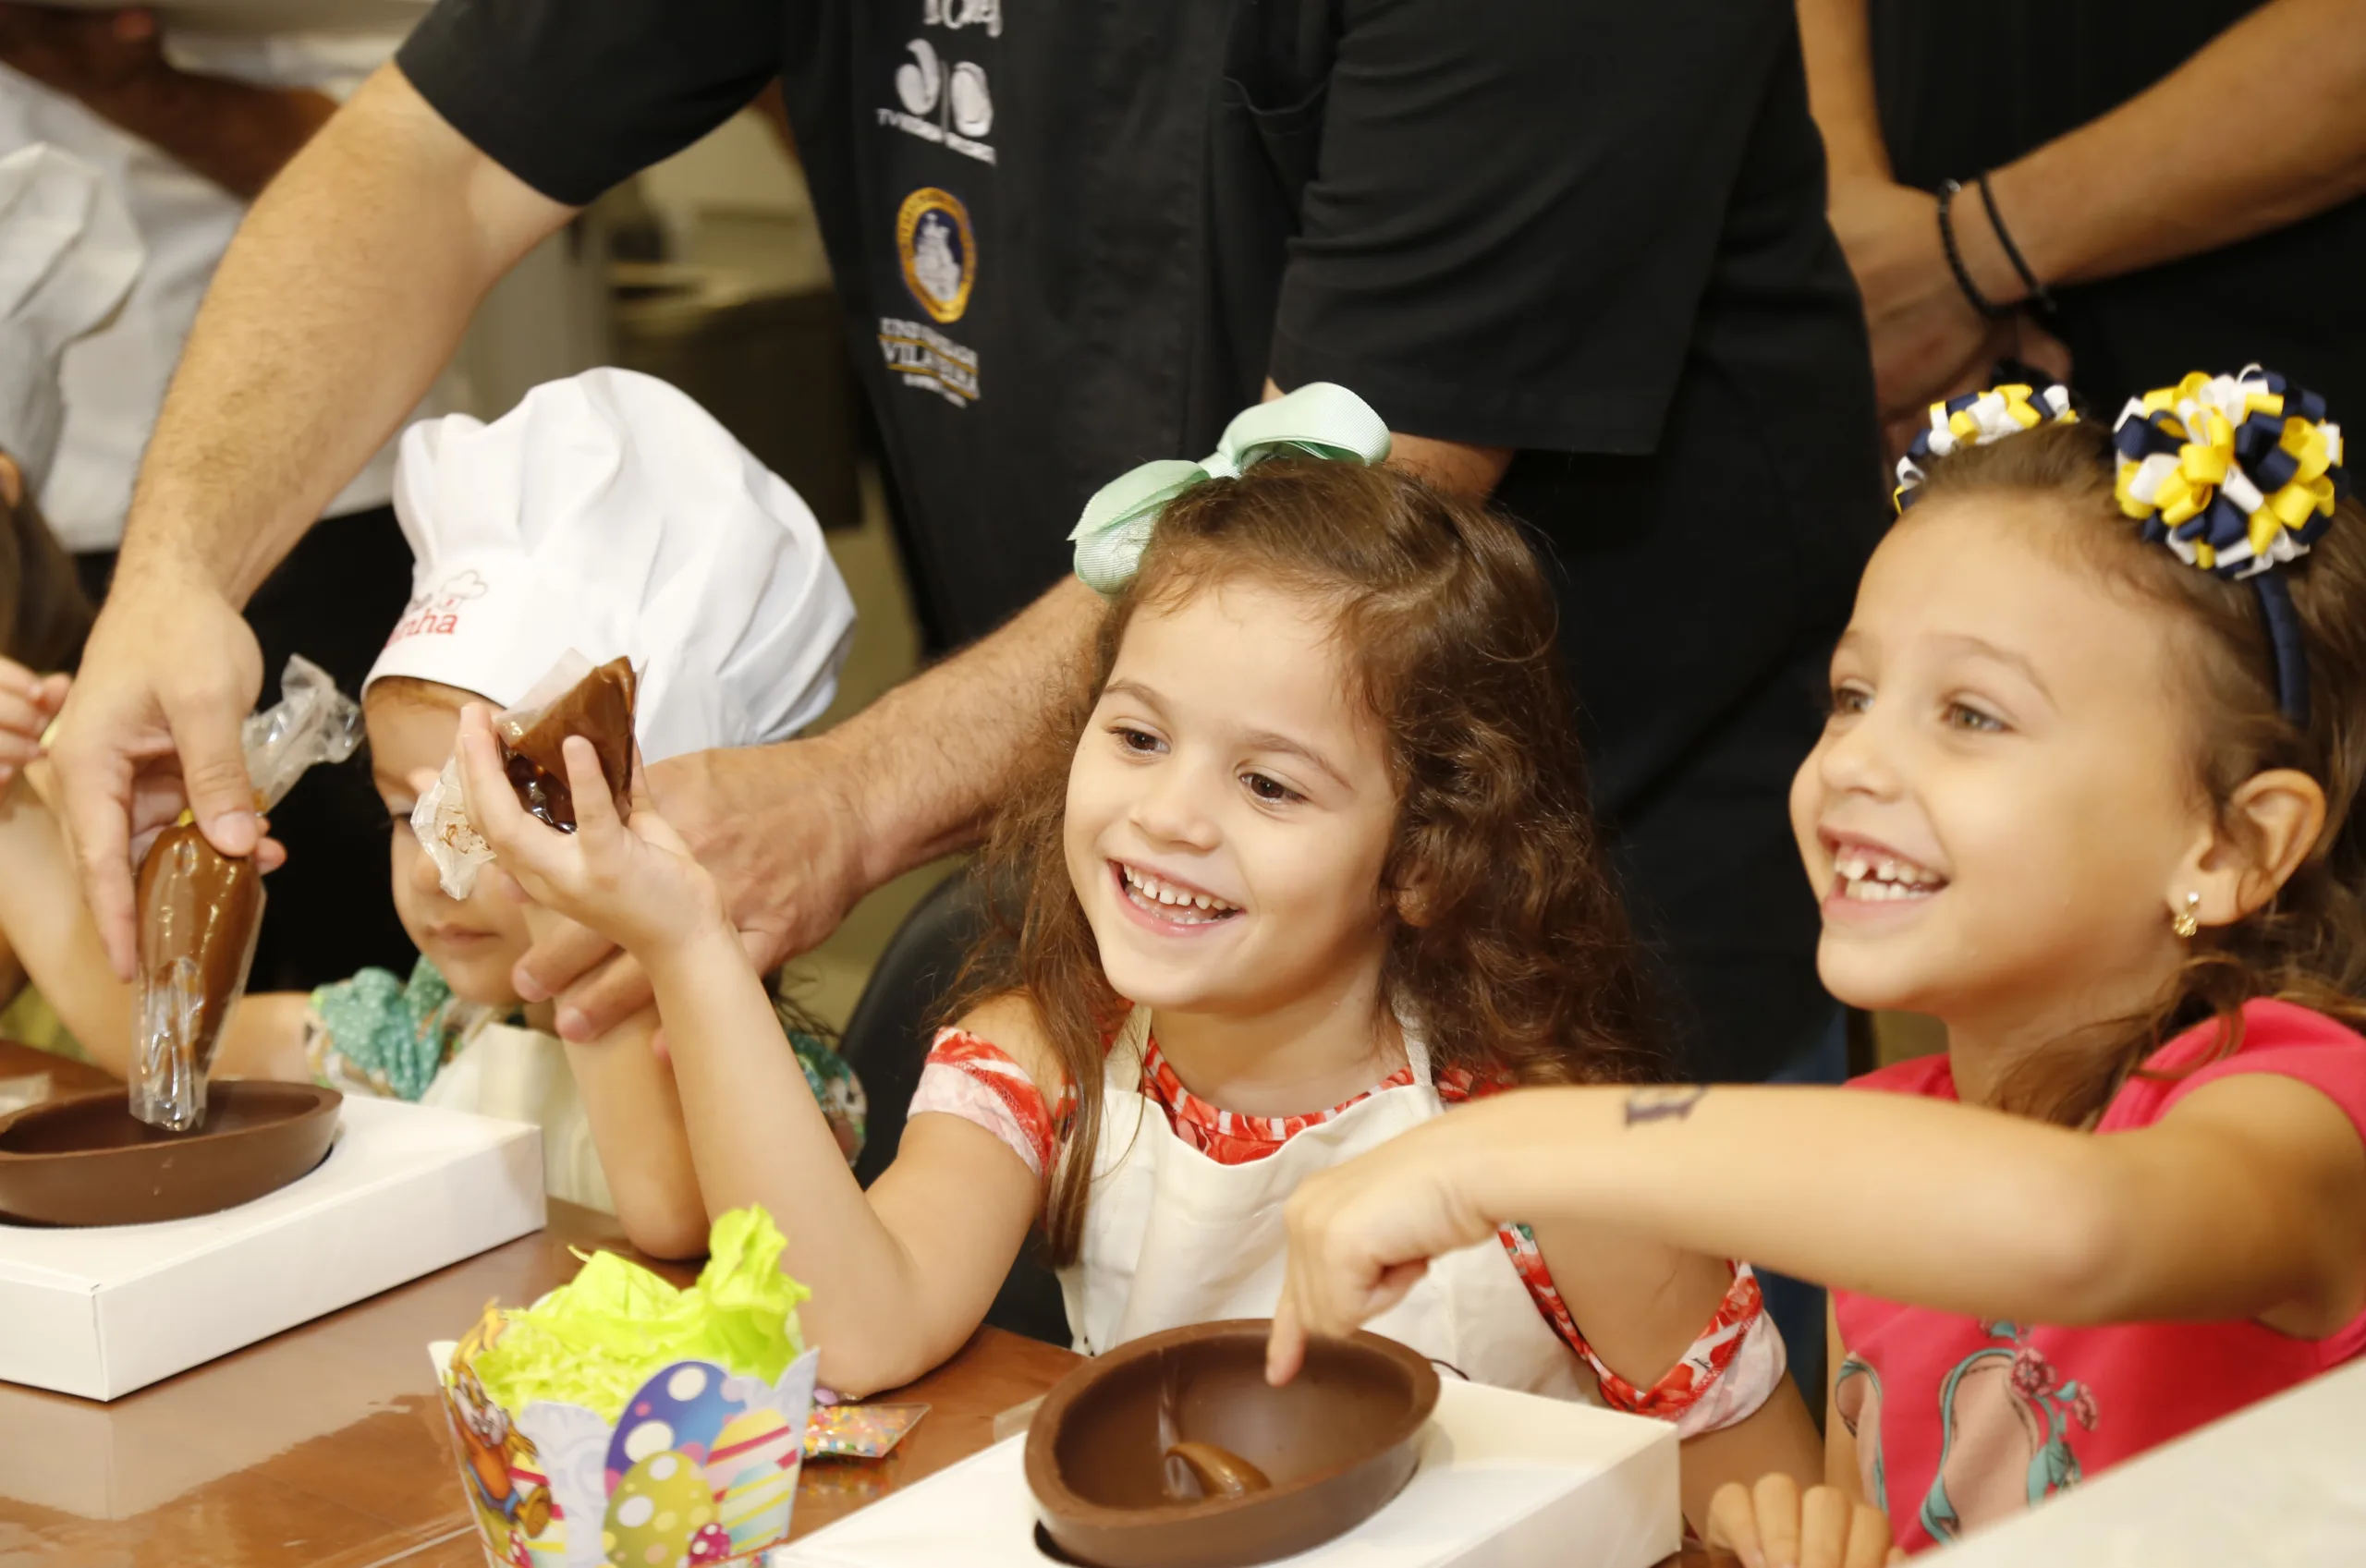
(573, 698)
(200, 910)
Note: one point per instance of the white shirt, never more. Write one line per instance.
(115, 379)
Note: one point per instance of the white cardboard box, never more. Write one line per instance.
(405, 1190)
(1506, 1480)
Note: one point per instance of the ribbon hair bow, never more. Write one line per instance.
(1319, 420)
(2235, 473)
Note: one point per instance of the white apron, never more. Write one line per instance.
(1172, 1237)
(521, 1075)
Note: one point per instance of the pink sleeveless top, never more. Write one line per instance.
(1961, 1423)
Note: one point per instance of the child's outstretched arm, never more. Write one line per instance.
(901, 1277)
(2246, 1200)
(636, 1121)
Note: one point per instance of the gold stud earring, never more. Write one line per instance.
(2183, 923)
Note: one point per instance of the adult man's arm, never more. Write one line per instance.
(236, 134)
(343, 294)
(2164, 175)
(942, 751)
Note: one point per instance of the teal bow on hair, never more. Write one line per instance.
(1317, 421)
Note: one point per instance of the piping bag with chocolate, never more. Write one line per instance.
(574, 698)
(199, 909)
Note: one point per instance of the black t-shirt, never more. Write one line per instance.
(1070, 238)
(1967, 90)
(1073, 238)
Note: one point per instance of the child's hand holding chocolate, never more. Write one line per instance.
(635, 883)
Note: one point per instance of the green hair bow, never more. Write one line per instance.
(1317, 421)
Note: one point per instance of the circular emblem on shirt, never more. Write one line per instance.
(940, 254)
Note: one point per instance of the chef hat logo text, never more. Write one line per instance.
(438, 613)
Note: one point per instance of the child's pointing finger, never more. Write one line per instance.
(1285, 1345)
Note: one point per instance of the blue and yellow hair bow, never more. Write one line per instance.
(1317, 421)
(1974, 419)
(2236, 474)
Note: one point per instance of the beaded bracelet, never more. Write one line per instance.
(1979, 302)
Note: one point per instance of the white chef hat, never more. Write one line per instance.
(610, 515)
(69, 253)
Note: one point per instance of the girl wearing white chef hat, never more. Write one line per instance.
(607, 516)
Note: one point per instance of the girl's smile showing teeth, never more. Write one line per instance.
(1169, 902)
(1869, 873)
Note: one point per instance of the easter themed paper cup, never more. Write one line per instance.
(621, 1423)
(701, 1470)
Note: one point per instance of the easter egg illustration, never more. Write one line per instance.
(752, 1473)
(679, 1410)
(712, 1544)
(657, 1513)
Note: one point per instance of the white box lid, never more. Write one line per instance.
(1495, 1465)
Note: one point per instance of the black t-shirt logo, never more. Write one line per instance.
(939, 252)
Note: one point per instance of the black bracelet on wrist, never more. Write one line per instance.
(1980, 302)
(2012, 251)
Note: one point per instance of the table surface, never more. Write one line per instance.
(326, 1447)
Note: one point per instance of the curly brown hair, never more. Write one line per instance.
(1521, 966)
(2308, 945)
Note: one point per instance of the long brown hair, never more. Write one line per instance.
(43, 613)
(2308, 945)
(1521, 966)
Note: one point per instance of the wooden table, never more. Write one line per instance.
(325, 1447)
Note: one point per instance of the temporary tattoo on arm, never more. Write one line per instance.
(1664, 1102)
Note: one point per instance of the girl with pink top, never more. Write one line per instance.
(1308, 865)
(2089, 795)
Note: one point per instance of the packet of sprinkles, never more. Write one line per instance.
(858, 1432)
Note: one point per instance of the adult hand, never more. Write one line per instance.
(1927, 341)
(2029, 344)
(1362, 1234)
(777, 829)
(152, 725)
(1772, 1525)
(85, 55)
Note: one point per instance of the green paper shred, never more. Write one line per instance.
(596, 1340)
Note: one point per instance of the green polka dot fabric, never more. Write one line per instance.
(386, 1036)
(378, 1034)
